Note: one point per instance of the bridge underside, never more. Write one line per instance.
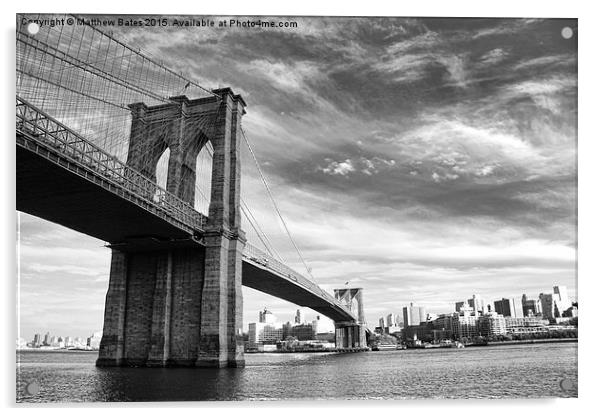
(167, 303)
(81, 202)
(55, 193)
(266, 281)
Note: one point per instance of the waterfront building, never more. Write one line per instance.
(413, 315)
(69, 342)
(37, 341)
(509, 307)
(94, 340)
(46, 339)
(263, 333)
(491, 323)
(464, 325)
(253, 334)
(304, 332)
(441, 334)
(325, 336)
(443, 322)
(423, 332)
(287, 330)
(525, 325)
(570, 312)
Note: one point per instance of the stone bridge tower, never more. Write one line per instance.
(351, 335)
(179, 303)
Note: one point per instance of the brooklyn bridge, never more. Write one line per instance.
(96, 119)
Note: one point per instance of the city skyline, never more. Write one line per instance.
(304, 315)
(426, 159)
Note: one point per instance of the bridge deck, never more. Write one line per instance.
(59, 181)
(78, 199)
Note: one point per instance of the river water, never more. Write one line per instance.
(507, 371)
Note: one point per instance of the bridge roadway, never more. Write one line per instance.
(63, 178)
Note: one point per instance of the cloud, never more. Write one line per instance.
(493, 56)
(406, 68)
(485, 170)
(367, 166)
(545, 61)
(339, 168)
(510, 27)
(546, 86)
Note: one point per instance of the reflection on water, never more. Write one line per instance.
(501, 371)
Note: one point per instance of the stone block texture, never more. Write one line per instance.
(182, 306)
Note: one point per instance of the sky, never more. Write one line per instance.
(424, 160)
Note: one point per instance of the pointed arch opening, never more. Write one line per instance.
(204, 173)
(161, 172)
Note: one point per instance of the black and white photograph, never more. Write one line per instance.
(295, 207)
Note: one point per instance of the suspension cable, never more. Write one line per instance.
(265, 183)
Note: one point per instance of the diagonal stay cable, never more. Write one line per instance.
(265, 183)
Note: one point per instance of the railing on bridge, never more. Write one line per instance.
(54, 135)
(257, 255)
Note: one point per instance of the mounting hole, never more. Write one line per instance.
(32, 388)
(566, 32)
(33, 28)
(566, 384)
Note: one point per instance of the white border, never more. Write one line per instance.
(590, 207)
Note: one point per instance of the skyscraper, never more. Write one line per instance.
(530, 306)
(509, 307)
(413, 315)
(549, 307)
(266, 317)
(563, 302)
(68, 342)
(298, 317)
(391, 320)
(477, 304)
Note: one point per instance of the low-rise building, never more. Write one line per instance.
(261, 333)
(464, 325)
(526, 325)
(304, 332)
(491, 323)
